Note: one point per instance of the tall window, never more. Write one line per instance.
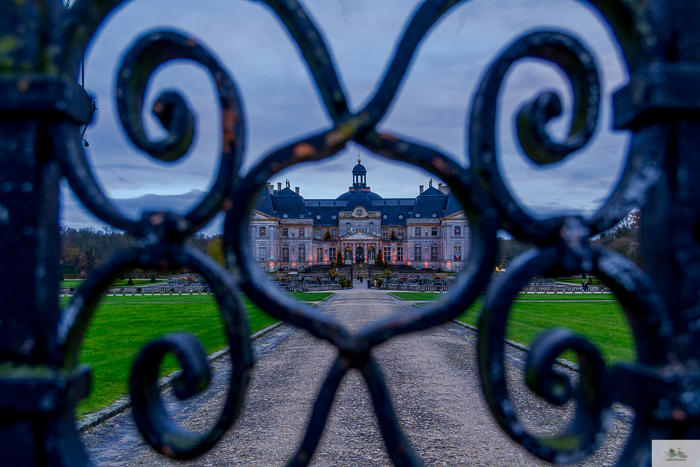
(262, 254)
(334, 232)
(285, 232)
(302, 253)
(347, 227)
(399, 253)
(371, 227)
(418, 254)
(262, 231)
(301, 232)
(458, 231)
(433, 232)
(319, 255)
(400, 233)
(332, 253)
(433, 253)
(417, 233)
(458, 252)
(285, 254)
(385, 232)
(318, 233)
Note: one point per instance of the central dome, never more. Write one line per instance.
(349, 194)
(360, 198)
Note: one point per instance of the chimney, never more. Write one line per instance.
(279, 186)
(444, 188)
(421, 189)
(272, 188)
(296, 188)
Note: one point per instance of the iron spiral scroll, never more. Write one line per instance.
(659, 105)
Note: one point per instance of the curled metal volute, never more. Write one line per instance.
(149, 52)
(556, 387)
(581, 437)
(583, 434)
(148, 409)
(578, 65)
(140, 62)
(152, 420)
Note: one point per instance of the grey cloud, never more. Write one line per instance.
(282, 104)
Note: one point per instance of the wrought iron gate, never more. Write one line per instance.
(42, 109)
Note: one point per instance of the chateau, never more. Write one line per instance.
(427, 232)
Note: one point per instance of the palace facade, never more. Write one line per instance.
(289, 232)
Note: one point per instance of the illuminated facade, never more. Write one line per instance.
(427, 232)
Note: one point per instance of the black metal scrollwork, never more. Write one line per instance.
(658, 40)
(161, 243)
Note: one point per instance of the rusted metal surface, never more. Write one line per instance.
(42, 110)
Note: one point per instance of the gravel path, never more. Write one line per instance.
(433, 383)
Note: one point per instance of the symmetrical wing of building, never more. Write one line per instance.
(427, 232)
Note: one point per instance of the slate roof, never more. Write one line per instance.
(394, 211)
(453, 205)
(359, 198)
(288, 202)
(430, 201)
(265, 203)
(326, 213)
(348, 194)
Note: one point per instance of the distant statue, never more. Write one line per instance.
(430, 183)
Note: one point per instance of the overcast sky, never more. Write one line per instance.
(282, 105)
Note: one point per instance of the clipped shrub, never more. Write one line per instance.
(130, 282)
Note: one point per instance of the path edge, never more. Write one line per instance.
(524, 348)
(124, 403)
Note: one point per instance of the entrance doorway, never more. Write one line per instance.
(359, 255)
(371, 255)
(348, 255)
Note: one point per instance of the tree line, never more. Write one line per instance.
(623, 239)
(85, 249)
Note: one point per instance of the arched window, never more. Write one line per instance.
(347, 227)
(371, 226)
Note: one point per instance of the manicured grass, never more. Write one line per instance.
(311, 296)
(427, 296)
(123, 325)
(603, 322)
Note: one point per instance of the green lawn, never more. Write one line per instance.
(122, 325)
(603, 322)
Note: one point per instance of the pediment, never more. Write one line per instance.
(261, 215)
(459, 215)
(360, 236)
